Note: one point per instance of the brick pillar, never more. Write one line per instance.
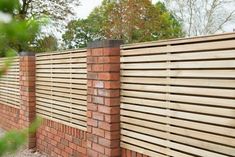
(103, 64)
(27, 93)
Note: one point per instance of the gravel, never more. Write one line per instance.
(22, 152)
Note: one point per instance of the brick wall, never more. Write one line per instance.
(27, 94)
(9, 117)
(55, 139)
(129, 153)
(103, 99)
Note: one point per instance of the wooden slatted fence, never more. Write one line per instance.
(10, 85)
(61, 89)
(178, 97)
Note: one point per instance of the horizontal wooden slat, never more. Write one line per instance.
(177, 146)
(59, 61)
(182, 65)
(218, 45)
(62, 66)
(61, 75)
(60, 56)
(224, 131)
(64, 71)
(61, 121)
(228, 54)
(225, 83)
(74, 104)
(65, 85)
(220, 102)
(181, 106)
(179, 41)
(9, 84)
(181, 90)
(180, 97)
(61, 87)
(182, 139)
(177, 130)
(59, 80)
(182, 115)
(181, 73)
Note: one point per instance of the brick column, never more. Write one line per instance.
(27, 93)
(103, 64)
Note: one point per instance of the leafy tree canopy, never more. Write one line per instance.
(15, 33)
(58, 14)
(124, 19)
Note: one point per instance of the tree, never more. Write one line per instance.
(203, 17)
(48, 43)
(15, 33)
(127, 20)
(59, 13)
(80, 32)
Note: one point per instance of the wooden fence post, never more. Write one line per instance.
(103, 64)
(27, 94)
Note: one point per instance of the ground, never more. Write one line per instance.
(22, 152)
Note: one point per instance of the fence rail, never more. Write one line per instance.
(9, 84)
(178, 98)
(61, 87)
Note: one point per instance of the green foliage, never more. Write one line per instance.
(126, 19)
(13, 140)
(9, 6)
(16, 34)
(46, 44)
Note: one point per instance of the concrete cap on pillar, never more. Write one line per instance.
(104, 44)
(26, 54)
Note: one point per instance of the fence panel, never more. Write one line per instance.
(61, 87)
(178, 99)
(10, 85)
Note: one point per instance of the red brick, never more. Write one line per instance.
(92, 137)
(92, 122)
(97, 52)
(97, 100)
(72, 145)
(109, 76)
(139, 155)
(98, 84)
(111, 51)
(108, 93)
(112, 135)
(111, 59)
(92, 107)
(89, 114)
(109, 110)
(112, 118)
(98, 148)
(98, 116)
(92, 153)
(97, 67)
(97, 131)
(108, 126)
(128, 153)
(109, 143)
(114, 152)
(89, 52)
(112, 101)
(111, 67)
